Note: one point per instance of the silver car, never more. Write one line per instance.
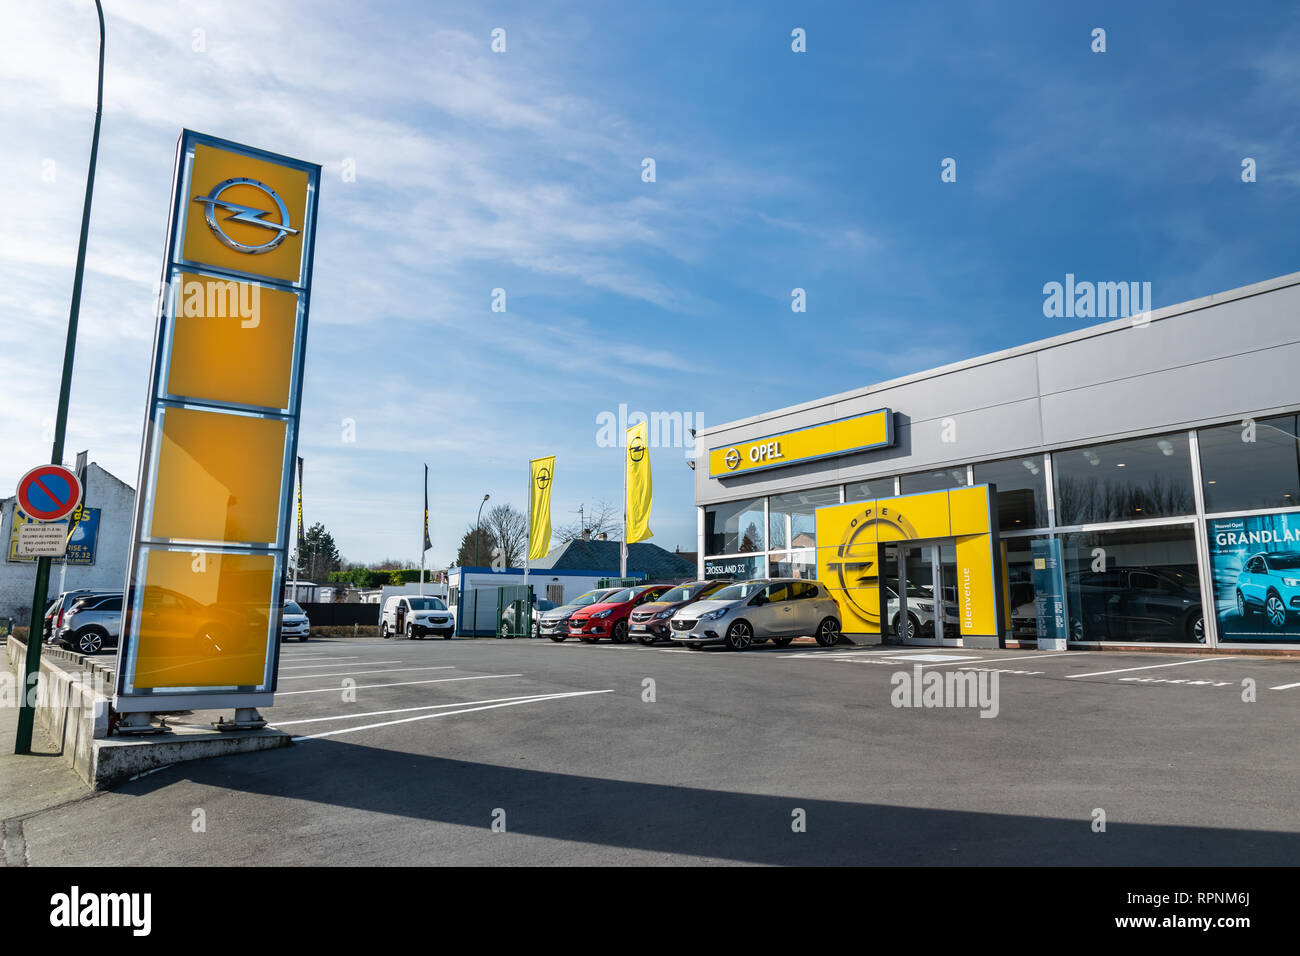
(92, 623)
(294, 622)
(749, 612)
(555, 622)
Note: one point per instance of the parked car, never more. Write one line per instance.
(93, 623)
(415, 616)
(540, 606)
(769, 609)
(609, 617)
(555, 622)
(1270, 582)
(57, 608)
(294, 622)
(1135, 604)
(649, 622)
(920, 610)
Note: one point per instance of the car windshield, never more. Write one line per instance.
(544, 605)
(591, 597)
(678, 594)
(619, 597)
(427, 604)
(1284, 562)
(738, 592)
(291, 607)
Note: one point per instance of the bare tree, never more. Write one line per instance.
(509, 531)
(595, 520)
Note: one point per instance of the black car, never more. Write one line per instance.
(1135, 604)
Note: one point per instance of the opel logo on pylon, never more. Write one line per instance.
(636, 450)
(732, 458)
(246, 214)
(543, 478)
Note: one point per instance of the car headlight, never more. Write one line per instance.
(668, 613)
(1291, 582)
(928, 608)
(602, 614)
(713, 615)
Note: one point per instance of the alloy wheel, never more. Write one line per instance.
(739, 636)
(1275, 610)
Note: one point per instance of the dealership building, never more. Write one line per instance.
(1134, 483)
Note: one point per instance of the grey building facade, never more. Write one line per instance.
(1161, 451)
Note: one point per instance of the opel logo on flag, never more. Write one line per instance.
(543, 478)
(250, 215)
(732, 458)
(636, 450)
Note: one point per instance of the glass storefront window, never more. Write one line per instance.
(1251, 465)
(794, 564)
(870, 489)
(1020, 585)
(1022, 491)
(791, 517)
(739, 569)
(940, 480)
(1123, 481)
(734, 528)
(1135, 584)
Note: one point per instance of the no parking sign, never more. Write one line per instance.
(49, 493)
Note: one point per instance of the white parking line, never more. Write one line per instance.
(323, 657)
(401, 683)
(318, 666)
(452, 713)
(391, 670)
(1148, 667)
(1284, 687)
(409, 710)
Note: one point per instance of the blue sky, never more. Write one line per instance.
(522, 171)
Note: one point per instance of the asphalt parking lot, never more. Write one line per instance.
(530, 752)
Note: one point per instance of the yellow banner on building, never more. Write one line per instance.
(640, 490)
(541, 473)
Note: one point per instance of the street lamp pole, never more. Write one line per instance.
(32, 664)
(478, 527)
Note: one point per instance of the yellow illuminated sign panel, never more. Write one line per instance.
(232, 341)
(859, 433)
(204, 619)
(848, 553)
(202, 244)
(213, 509)
(218, 477)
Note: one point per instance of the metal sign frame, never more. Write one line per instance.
(128, 697)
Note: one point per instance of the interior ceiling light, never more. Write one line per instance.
(1166, 447)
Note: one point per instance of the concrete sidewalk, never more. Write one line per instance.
(29, 785)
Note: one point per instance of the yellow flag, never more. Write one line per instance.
(639, 489)
(539, 526)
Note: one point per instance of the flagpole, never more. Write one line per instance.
(622, 547)
(529, 546)
(424, 530)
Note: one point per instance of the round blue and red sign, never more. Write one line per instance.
(49, 493)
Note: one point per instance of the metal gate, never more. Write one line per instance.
(515, 611)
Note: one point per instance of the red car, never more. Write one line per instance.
(609, 617)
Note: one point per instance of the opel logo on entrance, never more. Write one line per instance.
(246, 214)
(636, 450)
(732, 458)
(543, 478)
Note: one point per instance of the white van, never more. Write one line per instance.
(414, 616)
